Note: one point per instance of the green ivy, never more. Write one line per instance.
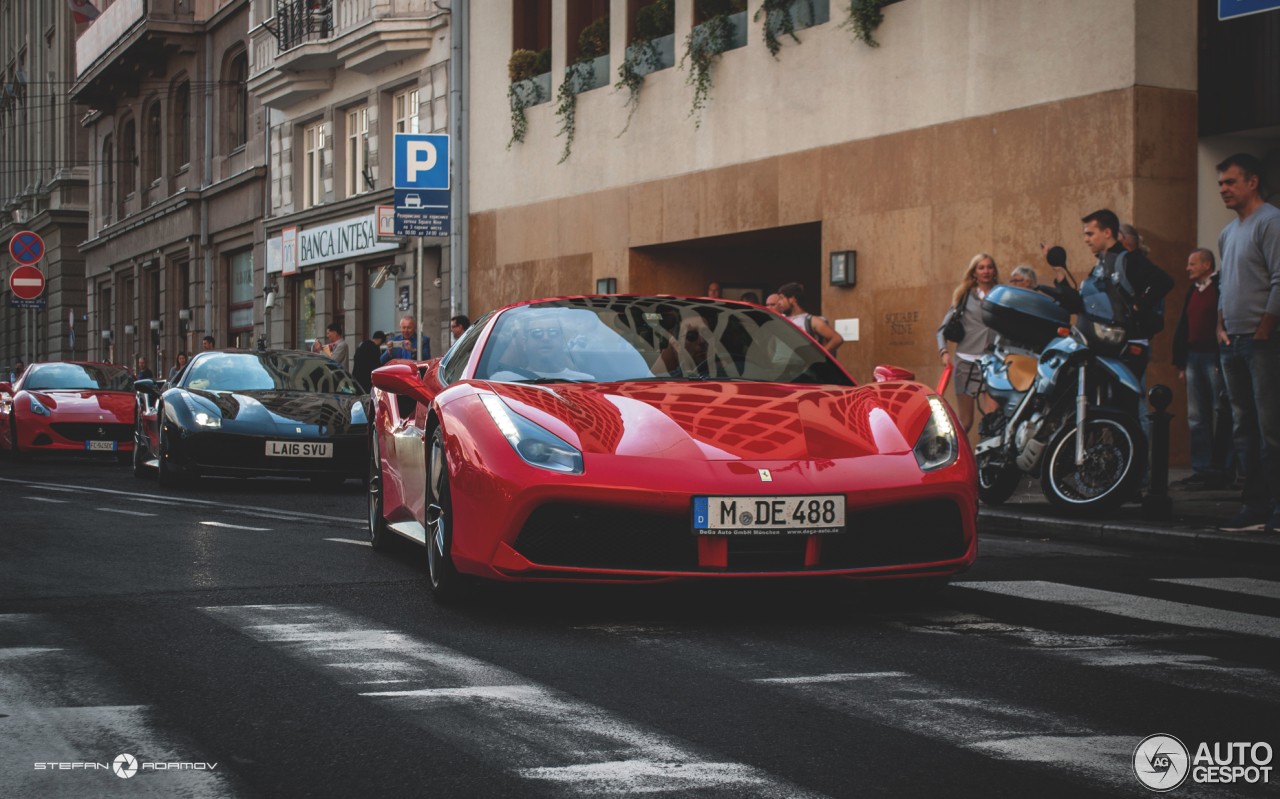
(522, 66)
(778, 22)
(864, 17)
(705, 44)
(656, 20)
(576, 77)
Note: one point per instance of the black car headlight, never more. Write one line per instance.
(938, 445)
(1108, 334)
(536, 445)
(204, 417)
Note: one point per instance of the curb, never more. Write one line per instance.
(1186, 540)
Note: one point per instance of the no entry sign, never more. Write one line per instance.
(26, 282)
(26, 247)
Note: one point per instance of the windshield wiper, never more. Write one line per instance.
(538, 381)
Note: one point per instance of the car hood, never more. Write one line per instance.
(324, 414)
(91, 404)
(728, 421)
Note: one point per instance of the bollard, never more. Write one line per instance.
(1157, 505)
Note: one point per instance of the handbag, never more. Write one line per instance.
(954, 330)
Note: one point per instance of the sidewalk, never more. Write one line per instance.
(1193, 529)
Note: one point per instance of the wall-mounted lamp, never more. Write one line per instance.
(844, 268)
(130, 330)
(270, 301)
(156, 324)
(380, 278)
(607, 285)
(106, 336)
(185, 314)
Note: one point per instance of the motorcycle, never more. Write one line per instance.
(1067, 402)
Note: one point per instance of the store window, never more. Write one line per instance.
(313, 147)
(382, 304)
(405, 108)
(357, 151)
(240, 301)
(305, 312)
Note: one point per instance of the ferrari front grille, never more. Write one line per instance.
(561, 534)
(93, 431)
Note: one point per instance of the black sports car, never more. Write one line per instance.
(244, 413)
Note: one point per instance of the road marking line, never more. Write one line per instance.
(49, 499)
(349, 541)
(1237, 585)
(1133, 606)
(188, 502)
(480, 707)
(126, 512)
(850, 677)
(237, 527)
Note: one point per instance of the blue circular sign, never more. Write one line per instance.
(26, 247)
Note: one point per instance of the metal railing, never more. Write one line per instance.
(301, 21)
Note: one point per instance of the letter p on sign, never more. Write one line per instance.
(421, 161)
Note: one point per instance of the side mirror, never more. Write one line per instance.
(884, 374)
(398, 378)
(147, 387)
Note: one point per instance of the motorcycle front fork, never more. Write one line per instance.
(1082, 402)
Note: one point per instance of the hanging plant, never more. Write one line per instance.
(580, 76)
(864, 17)
(779, 22)
(652, 22)
(523, 66)
(705, 44)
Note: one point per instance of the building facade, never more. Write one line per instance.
(339, 81)
(174, 250)
(972, 127)
(44, 178)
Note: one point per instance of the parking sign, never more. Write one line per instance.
(420, 177)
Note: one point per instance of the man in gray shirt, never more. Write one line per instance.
(336, 349)
(1248, 310)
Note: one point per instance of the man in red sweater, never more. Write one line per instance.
(1195, 353)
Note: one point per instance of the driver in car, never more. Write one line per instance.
(691, 347)
(545, 353)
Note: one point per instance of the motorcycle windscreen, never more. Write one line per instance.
(1104, 302)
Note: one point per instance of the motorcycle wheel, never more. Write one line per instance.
(996, 483)
(1115, 459)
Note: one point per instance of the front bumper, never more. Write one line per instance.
(229, 454)
(70, 434)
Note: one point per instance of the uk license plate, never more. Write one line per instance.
(299, 449)
(793, 515)
(101, 446)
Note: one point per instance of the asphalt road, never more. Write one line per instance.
(239, 627)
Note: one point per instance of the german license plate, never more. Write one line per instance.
(101, 446)
(298, 449)
(794, 515)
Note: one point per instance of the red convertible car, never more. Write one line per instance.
(68, 406)
(634, 439)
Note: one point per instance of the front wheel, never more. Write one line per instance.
(379, 534)
(996, 482)
(139, 455)
(447, 583)
(164, 473)
(1115, 459)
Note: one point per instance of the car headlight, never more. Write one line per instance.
(37, 408)
(537, 446)
(357, 413)
(938, 445)
(1108, 334)
(203, 416)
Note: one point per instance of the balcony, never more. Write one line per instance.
(295, 52)
(128, 43)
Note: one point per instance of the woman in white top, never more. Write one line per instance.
(981, 276)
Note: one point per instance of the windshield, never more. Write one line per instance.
(268, 371)
(1102, 301)
(72, 376)
(614, 339)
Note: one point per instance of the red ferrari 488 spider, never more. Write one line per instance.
(63, 406)
(634, 439)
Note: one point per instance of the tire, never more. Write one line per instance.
(447, 584)
(997, 483)
(140, 469)
(1115, 461)
(380, 536)
(166, 476)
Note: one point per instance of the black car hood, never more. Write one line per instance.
(286, 411)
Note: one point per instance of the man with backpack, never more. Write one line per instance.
(791, 305)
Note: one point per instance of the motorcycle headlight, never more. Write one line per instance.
(1108, 334)
(938, 445)
(36, 407)
(204, 417)
(536, 445)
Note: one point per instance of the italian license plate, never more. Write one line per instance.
(794, 515)
(101, 446)
(299, 449)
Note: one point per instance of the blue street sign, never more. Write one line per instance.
(1229, 9)
(421, 181)
(26, 247)
(18, 302)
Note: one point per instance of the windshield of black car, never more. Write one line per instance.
(268, 371)
(73, 376)
(613, 339)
